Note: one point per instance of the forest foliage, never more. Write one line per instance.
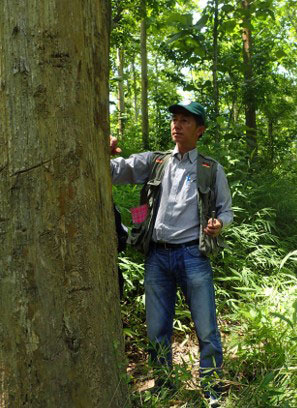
(239, 60)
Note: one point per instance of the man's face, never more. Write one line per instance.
(184, 129)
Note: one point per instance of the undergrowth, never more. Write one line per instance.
(256, 287)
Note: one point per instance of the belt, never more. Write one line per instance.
(168, 245)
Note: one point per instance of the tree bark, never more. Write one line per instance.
(60, 329)
(144, 78)
(249, 95)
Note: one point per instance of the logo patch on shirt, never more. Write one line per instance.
(159, 161)
(206, 165)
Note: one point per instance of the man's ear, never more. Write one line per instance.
(200, 131)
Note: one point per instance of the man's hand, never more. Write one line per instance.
(113, 144)
(214, 227)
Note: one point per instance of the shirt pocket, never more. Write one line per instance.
(190, 189)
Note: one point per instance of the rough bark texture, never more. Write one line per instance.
(60, 329)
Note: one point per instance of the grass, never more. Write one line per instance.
(260, 348)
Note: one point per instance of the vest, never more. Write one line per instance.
(141, 234)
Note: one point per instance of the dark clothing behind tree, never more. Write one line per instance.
(122, 235)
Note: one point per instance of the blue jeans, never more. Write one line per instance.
(188, 268)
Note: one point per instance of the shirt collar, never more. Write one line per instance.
(191, 155)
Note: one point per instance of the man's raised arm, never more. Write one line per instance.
(133, 170)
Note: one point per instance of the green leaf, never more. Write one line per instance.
(280, 54)
(201, 23)
(207, 83)
(271, 13)
(227, 8)
(245, 288)
(190, 87)
(292, 254)
(284, 318)
(262, 15)
(184, 19)
(193, 60)
(229, 26)
(267, 379)
(129, 332)
(220, 120)
(177, 36)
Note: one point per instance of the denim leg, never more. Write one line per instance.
(198, 288)
(160, 296)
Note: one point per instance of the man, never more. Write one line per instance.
(174, 258)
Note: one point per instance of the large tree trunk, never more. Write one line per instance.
(249, 94)
(60, 329)
(144, 78)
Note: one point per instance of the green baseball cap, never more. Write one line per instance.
(193, 107)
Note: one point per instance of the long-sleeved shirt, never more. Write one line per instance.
(177, 219)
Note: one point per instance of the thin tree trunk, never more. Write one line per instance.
(144, 78)
(121, 97)
(215, 68)
(249, 96)
(58, 278)
(157, 108)
(135, 92)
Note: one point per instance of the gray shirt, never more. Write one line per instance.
(177, 219)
